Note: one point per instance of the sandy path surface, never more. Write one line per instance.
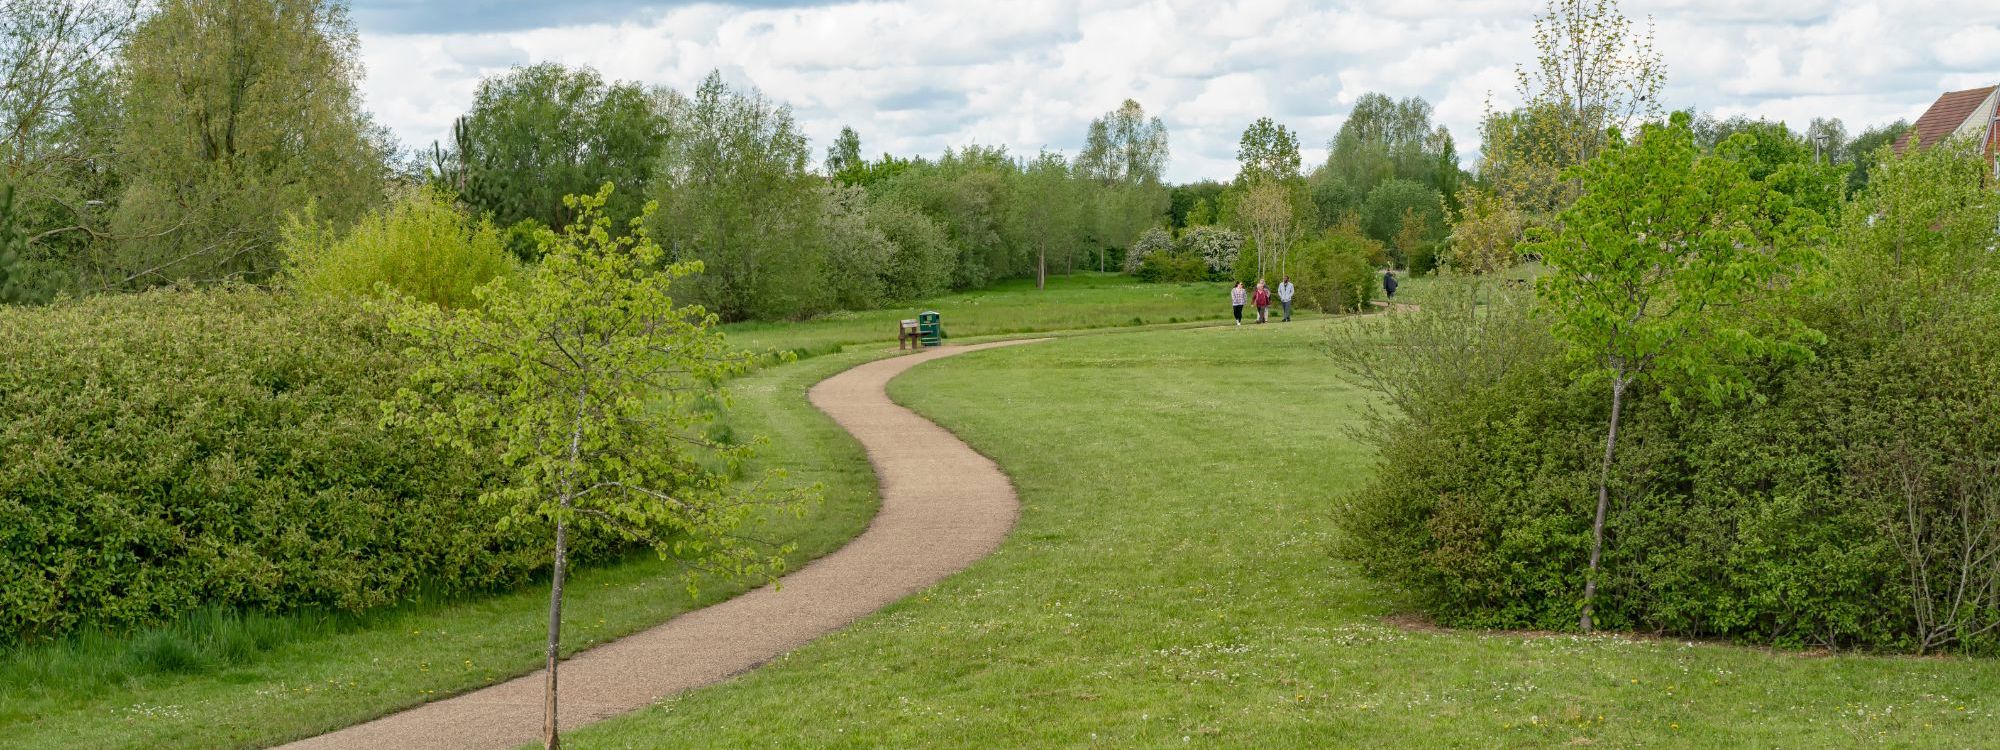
(943, 508)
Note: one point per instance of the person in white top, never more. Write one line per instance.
(1285, 292)
(1236, 300)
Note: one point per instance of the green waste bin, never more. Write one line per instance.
(930, 326)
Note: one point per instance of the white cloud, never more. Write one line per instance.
(914, 77)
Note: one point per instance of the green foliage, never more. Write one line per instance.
(1392, 205)
(60, 102)
(1653, 265)
(1848, 501)
(1335, 272)
(542, 132)
(13, 243)
(1124, 146)
(738, 198)
(1171, 268)
(180, 449)
(420, 247)
(236, 113)
(594, 390)
(1383, 139)
(1867, 150)
(921, 263)
(1267, 151)
(590, 385)
(845, 152)
(1193, 204)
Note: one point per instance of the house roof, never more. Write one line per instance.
(1944, 116)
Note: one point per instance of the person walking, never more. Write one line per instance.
(1236, 300)
(1389, 282)
(1285, 292)
(1263, 300)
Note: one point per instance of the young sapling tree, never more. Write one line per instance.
(1652, 273)
(586, 379)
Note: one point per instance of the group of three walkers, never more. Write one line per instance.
(1262, 298)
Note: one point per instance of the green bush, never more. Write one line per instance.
(178, 449)
(1854, 502)
(421, 246)
(1333, 273)
(1171, 268)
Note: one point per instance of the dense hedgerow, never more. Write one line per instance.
(177, 449)
(1852, 501)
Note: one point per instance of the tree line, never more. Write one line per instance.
(154, 143)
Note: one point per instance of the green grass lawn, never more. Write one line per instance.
(230, 681)
(1169, 585)
(1074, 302)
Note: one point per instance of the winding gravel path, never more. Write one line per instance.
(943, 508)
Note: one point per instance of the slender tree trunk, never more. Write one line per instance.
(1618, 384)
(550, 740)
(1041, 266)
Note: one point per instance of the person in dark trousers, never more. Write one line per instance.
(1285, 292)
(1389, 282)
(1263, 300)
(1236, 300)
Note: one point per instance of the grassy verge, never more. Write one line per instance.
(1074, 302)
(223, 680)
(1169, 584)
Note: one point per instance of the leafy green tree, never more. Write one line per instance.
(1124, 146)
(1125, 157)
(13, 241)
(1335, 271)
(858, 254)
(542, 132)
(1651, 272)
(1044, 207)
(1866, 150)
(58, 130)
(1389, 204)
(1483, 239)
(1267, 210)
(238, 112)
(1267, 150)
(845, 153)
(923, 257)
(1201, 214)
(1384, 139)
(966, 191)
(1184, 200)
(1592, 74)
(737, 196)
(587, 381)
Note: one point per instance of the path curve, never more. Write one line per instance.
(944, 507)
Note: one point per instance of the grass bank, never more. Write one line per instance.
(1169, 584)
(228, 680)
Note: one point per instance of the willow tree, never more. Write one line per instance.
(1651, 273)
(591, 384)
(236, 113)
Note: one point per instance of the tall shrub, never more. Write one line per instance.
(420, 247)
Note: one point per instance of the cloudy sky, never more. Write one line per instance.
(914, 77)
